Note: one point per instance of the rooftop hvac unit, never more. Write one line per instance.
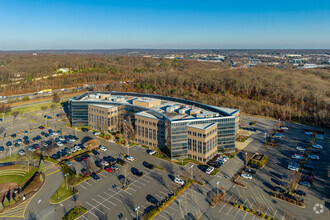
(170, 109)
(200, 116)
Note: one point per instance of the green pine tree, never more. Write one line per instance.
(1, 206)
(41, 166)
(5, 202)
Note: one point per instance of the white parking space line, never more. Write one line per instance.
(82, 186)
(84, 217)
(127, 192)
(267, 211)
(162, 216)
(147, 181)
(88, 183)
(274, 213)
(159, 196)
(143, 184)
(94, 207)
(244, 216)
(107, 200)
(222, 208)
(101, 204)
(136, 186)
(168, 212)
(92, 180)
(148, 177)
(172, 208)
(229, 210)
(166, 194)
(90, 212)
(237, 213)
(101, 174)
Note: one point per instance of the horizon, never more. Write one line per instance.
(99, 24)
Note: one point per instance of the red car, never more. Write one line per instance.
(41, 127)
(85, 172)
(307, 178)
(108, 169)
(83, 158)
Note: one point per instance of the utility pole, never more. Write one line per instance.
(191, 168)
(66, 184)
(217, 188)
(246, 158)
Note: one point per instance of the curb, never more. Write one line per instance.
(289, 202)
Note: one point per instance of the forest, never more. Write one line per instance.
(300, 95)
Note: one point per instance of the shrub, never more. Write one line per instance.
(74, 213)
(262, 215)
(5, 202)
(269, 218)
(1, 206)
(235, 205)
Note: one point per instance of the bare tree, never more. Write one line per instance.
(128, 130)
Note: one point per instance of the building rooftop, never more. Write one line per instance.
(146, 114)
(104, 106)
(204, 126)
(172, 108)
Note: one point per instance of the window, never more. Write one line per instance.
(194, 133)
(142, 129)
(150, 133)
(199, 135)
(204, 136)
(154, 124)
(146, 132)
(138, 130)
(189, 144)
(194, 145)
(154, 134)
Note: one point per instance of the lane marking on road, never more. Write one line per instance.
(53, 172)
(229, 210)
(222, 208)
(107, 200)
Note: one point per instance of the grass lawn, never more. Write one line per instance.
(215, 171)
(12, 178)
(61, 194)
(31, 108)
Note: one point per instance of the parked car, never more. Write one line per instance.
(78, 159)
(253, 166)
(108, 169)
(299, 192)
(13, 135)
(85, 172)
(317, 146)
(178, 181)
(209, 170)
(114, 167)
(304, 183)
(281, 190)
(250, 171)
(54, 156)
(148, 165)
(95, 152)
(246, 176)
(129, 158)
(152, 200)
(102, 148)
(309, 167)
(151, 152)
(2, 149)
(300, 148)
(41, 127)
(21, 152)
(18, 141)
(16, 144)
(96, 133)
(104, 163)
(136, 172)
(9, 144)
(68, 163)
(77, 147)
(282, 183)
(313, 157)
(285, 177)
(284, 128)
(84, 129)
(95, 176)
(120, 161)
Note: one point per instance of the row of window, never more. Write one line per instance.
(202, 135)
(196, 146)
(200, 158)
(96, 119)
(146, 143)
(103, 112)
(145, 132)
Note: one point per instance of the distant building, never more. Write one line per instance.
(34, 54)
(181, 128)
(293, 55)
(63, 70)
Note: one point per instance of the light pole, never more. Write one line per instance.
(217, 188)
(246, 158)
(265, 137)
(137, 212)
(191, 168)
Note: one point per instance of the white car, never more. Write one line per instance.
(59, 143)
(278, 135)
(77, 147)
(45, 144)
(21, 152)
(102, 148)
(73, 149)
(300, 148)
(96, 133)
(55, 133)
(209, 170)
(313, 157)
(319, 136)
(294, 168)
(179, 181)
(284, 128)
(224, 159)
(317, 146)
(152, 152)
(297, 157)
(32, 149)
(72, 140)
(104, 163)
(61, 138)
(246, 176)
(19, 141)
(129, 158)
(309, 133)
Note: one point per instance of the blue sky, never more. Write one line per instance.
(107, 24)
